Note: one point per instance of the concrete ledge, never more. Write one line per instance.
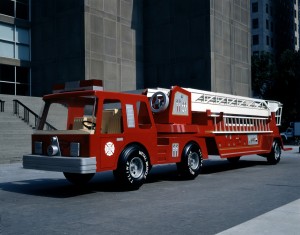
(283, 220)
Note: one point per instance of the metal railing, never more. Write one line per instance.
(26, 113)
(2, 102)
(240, 124)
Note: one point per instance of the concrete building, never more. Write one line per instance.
(200, 44)
(275, 26)
(15, 47)
(91, 39)
(129, 44)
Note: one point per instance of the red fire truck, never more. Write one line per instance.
(128, 133)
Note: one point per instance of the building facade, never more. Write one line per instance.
(91, 39)
(129, 44)
(274, 26)
(15, 47)
(200, 44)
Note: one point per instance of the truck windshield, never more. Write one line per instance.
(72, 113)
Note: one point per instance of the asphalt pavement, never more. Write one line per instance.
(252, 198)
(283, 220)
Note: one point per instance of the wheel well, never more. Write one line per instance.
(188, 144)
(279, 141)
(138, 145)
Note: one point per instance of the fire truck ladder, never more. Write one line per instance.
(236, 114)
(233, 114)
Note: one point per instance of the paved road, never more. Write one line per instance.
(250, 198)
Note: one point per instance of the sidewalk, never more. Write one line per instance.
(283, 220)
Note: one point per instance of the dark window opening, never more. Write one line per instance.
(7, 88)
(255, 7)
(255, 24)
(7, 7)
(255, 40)
(7, 73)
(22, 9)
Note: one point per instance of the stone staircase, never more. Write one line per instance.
(15, 134)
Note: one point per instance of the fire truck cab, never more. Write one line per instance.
(129, 133)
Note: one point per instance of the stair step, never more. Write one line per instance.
(15, 134)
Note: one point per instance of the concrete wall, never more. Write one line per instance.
(200, 44)
(132, 44)
(57, 43)
(177, 43)
(230, 46)
(114, 43)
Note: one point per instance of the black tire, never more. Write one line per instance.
(233, 160)
(133, 168)
(191, 161)
(274, 156)
(78, 179)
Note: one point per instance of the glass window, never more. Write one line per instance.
(143, 115)
(255, 23)
(268, 40)
(7, 49)
(255, 7)
(7, 88)
(7, 7)
(22, 35)
(255, 39)
(14, 79)
(22, 8)
(267, 8)
(6, 32)
(267, 24)
(22, 89)
(7, 73)
(22, 75)
(22, 52)
(14, 42)
(112, 121)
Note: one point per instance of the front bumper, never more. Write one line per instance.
(61, 164)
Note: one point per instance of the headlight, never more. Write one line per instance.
(52, 150)
(74, 149)
(38, 147)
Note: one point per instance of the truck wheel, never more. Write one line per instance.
(78, 179)
(191, 161)
(274, 156)
(133, 167)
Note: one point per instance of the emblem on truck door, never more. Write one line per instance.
(109, 148)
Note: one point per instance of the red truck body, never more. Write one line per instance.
(129, 133)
